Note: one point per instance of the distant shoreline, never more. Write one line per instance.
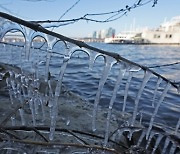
(177, 44)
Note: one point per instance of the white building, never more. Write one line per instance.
(167, 33)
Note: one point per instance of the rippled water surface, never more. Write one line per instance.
(84, 81)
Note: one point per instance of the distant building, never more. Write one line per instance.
(167, 33)
(102, 34)
(94, 35)
(110, 32)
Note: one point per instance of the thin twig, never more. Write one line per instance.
(164, 65)
(68, 10)
(113, 15)
(67, 145)
(44, 128)
(37, 131)
(10, 134)
(71, 132)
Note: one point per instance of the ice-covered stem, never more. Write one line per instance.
(147, 76)
(50, 42)
(155, 90)
(116, 88)
(36, 27)
(158, 140)
(126, 90)
(163, 95)
(56, 95)
(166, 144)
(48, 57)
(107, 68)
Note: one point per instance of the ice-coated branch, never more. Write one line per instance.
(38, 28)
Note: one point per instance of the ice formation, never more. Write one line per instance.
(25, 88)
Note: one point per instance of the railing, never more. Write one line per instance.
(43, 116)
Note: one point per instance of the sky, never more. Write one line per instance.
(141, 17)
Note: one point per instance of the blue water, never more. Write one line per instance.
(84, 82)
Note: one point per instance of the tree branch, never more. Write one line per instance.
(112, 15)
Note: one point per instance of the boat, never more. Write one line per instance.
(125, 37)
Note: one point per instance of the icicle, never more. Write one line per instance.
(31, 105)
(92, 57)
(147, 76)
(149, 139)
(47, 63)
(8, 83)
(28, 38)
(36, 105)
(36, 100)
(177, 127)
(157, 107)
(13, 120)
(21, 111)
(141, 137)
(126, 90)
(130, 134)
(35, 70)
(51, 96)
(57, 93)
(11, 98)
(116, 87)
(50, 42)
(107, 68)
(23, 85)
(140, 120)
(158, 140)
(68, 122)
(167, 141)
(155, 91)
(27, 48)
(173, 148)
(42, 108)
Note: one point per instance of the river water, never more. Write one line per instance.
(83, 80)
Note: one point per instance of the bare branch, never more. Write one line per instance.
(68, 9)
(110, 16)
(164, 65)
(45, 128)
